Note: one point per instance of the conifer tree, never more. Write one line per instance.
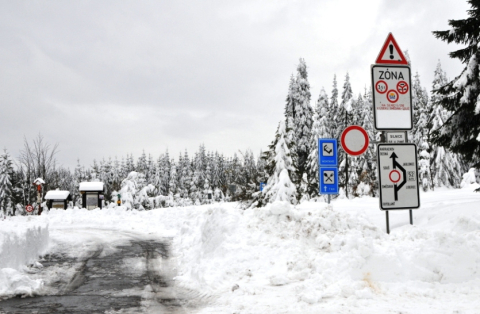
(332, 110)
(6, 170)
(303, 114)
(280, 186)
(367, 162)
(420, 107)
(319, 130)
(445, 169)
(290, 114)
(461, 132)
(343, 119)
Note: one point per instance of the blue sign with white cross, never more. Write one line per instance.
(328, 180)
(327, 152)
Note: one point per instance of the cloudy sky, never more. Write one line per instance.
(110, 78)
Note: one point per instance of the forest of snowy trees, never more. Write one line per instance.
(289, 167)
(446, 130)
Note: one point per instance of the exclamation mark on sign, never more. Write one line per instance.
(391, 51)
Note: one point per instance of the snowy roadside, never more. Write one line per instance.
(282, 259)
(315, 258)
(22, 241)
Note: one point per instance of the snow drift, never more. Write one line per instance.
(22, 241)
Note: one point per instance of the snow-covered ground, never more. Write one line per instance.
(312, 258)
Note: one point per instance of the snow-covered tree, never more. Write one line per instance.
(319, 130)
(6, 171)
(303, 115)
(135, 193)
(461, 132)
(332, 110)
(367, 164)
(420, 111)
(424, 165)
(445, 169)
(343, 119)
(280, 186)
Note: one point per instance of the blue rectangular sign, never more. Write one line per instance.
(327, 152)
(328, 180)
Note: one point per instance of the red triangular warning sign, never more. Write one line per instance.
(391, 53)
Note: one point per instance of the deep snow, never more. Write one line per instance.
(310, 258)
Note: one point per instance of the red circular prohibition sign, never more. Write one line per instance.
(354, 140)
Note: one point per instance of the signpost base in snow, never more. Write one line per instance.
(388, 222)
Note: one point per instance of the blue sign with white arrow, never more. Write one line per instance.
(327, 152)
(328, 180)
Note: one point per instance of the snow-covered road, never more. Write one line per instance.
(129, 275)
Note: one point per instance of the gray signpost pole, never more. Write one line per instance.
(388, 223)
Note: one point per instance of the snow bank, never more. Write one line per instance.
(311, 258)
(22, 241)
(316, 256)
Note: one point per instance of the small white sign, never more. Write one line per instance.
(396, 137)
(398, 178)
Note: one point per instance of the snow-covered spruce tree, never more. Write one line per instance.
(367, 162)
(116, 175)
(279, 185)
(136, 194)
(343, 119)
(302, 117)
(423, 148)
(319, 130)
(6, 170)
(424, 164)
(461, 132)
(173, 178)
(290, 113)
(186, 177)
(420, 106)
(142, 163)
(332, 110)
(445, 169)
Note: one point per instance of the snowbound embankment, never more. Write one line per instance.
(22, 241)
(316, 257)
(311, 258)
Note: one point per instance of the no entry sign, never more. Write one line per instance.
(355, 140)
(29, 208)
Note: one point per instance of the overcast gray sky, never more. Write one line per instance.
(109, 78)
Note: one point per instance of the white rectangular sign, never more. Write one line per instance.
(397, 164)
(396, 137)
(392, 97)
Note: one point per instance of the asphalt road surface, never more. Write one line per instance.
(132, 278)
